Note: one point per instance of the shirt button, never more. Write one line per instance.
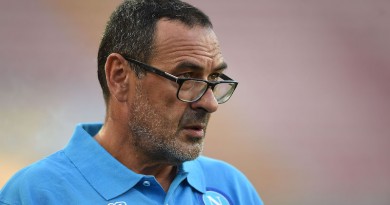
(146, 183)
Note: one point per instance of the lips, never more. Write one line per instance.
(195, 127)
(195, 130)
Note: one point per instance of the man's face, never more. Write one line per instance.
(163, 127)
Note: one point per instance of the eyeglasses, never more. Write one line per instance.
(192, 89)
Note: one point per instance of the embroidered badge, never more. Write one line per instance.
(214, 198)
(118, 203)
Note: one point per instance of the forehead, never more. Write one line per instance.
(176, 42)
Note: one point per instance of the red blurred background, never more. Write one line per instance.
(308, 124)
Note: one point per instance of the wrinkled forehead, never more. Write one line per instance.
(173, 39)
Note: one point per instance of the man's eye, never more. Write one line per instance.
(214, 77)
(185, 75)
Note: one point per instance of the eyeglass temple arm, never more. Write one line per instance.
(153, 70)
(162, 73)
(225, 77)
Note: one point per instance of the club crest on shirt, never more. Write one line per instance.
(118, 203)
(214, 198)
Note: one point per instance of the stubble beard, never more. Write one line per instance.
(158, 138)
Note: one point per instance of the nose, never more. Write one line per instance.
(207, 102)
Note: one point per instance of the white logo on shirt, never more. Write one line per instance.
(214, 198)
(118, 203)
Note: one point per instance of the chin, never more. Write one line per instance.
(186, 154)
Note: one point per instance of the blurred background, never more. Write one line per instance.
(308, 124)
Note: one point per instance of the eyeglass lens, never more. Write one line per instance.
(192, 90)
(223, 91)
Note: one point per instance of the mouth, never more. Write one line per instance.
(195, 131)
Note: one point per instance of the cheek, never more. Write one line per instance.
(162, 96)
(174, 110)
(160, 91)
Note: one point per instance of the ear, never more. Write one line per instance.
(117, 76)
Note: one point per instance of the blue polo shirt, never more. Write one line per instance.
(85, 173)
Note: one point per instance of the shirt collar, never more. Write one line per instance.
(102, 170)
(97, 166)
(195, 175)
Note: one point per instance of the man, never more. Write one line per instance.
(161, 72)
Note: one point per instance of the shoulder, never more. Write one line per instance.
(44, 169)
(212, 162)
(32, 181)
(210, 165)
(223, 178)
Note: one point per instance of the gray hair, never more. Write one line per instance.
(131, 30)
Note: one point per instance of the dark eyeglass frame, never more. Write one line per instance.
(180, 81)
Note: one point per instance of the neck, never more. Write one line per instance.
(118, 142)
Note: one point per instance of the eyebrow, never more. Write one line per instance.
(193, 66)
